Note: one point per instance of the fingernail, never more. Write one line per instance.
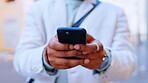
(84, 53)
(71, 47)
(86, 61)
(77, 47)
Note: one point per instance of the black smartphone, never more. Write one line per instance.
(71, 35)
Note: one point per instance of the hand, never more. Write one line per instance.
(90, 50)
(59, 55)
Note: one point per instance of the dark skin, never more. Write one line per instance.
(65, 56)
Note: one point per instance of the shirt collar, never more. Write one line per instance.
(90, 1)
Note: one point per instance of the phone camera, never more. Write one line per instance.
(67, 33)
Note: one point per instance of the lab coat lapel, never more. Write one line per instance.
(60, 13)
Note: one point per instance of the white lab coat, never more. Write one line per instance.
(106, 23)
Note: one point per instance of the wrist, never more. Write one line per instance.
(105, 62)
(51, 70)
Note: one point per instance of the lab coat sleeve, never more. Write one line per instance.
(123, 60)
(28, 57)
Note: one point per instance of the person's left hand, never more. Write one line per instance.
(94, 56)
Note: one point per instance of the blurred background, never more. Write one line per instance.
(11, 21)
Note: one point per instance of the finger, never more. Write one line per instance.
(72, 53)
(61, 67)
(88, 48)
(89, 38)
(94, 64)
(97, 55)
(54, 44)
(46, 56)
(62, 54)
(66, 63)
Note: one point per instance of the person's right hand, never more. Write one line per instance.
(58, 55)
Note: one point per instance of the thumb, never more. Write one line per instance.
(89, 38)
